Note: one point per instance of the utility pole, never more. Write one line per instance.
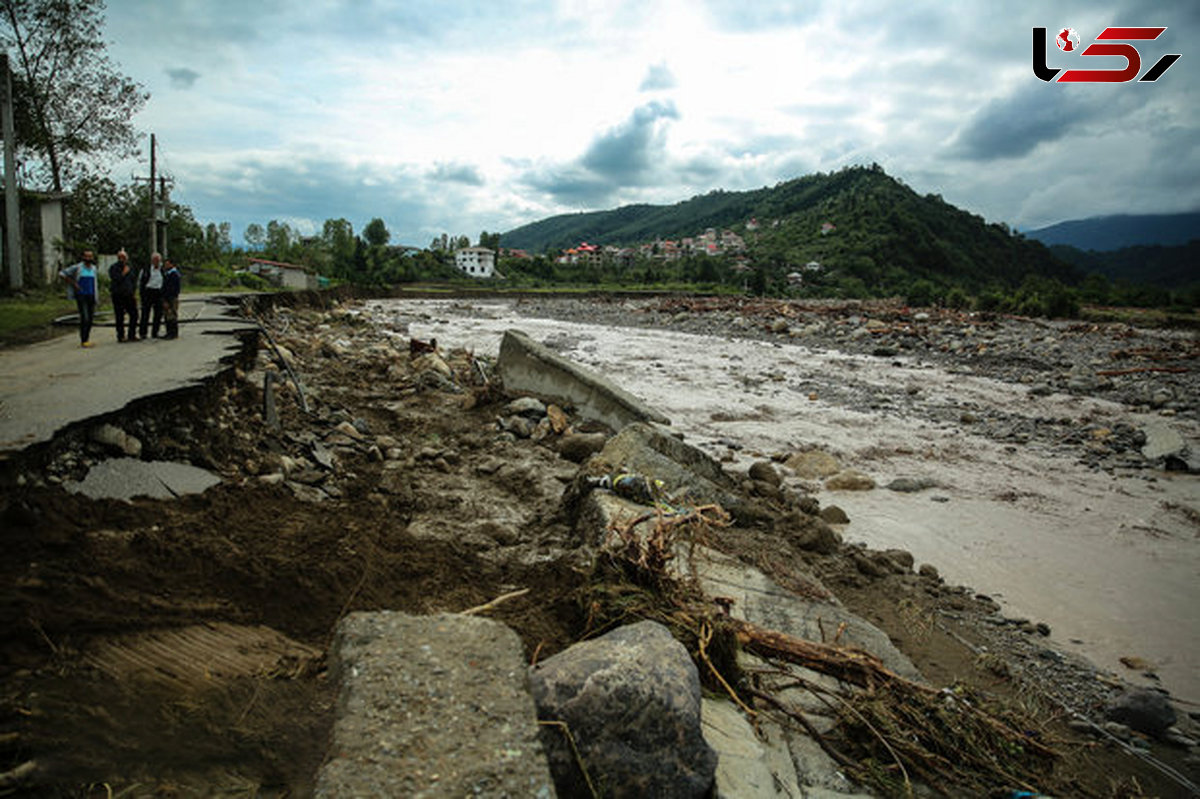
(12, 199)
(158, 201)
(153, 214)
(166, 230)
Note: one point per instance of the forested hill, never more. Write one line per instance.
(1125, 230)
(884, 234)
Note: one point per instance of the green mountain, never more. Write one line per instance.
(884, 234)
(1169, 267)
(1121, 231)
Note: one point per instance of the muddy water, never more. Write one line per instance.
(1111, 563)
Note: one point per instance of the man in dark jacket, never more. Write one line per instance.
(121, 284)
(172, 285)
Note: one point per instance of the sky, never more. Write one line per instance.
(458, 117)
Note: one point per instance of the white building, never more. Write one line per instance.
(475, 261)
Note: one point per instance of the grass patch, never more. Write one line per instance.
(26, 316)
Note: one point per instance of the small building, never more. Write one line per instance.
(475, 261)
(812, 266)
(288, 276)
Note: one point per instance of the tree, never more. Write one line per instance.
(280, 239)
(72, 105)
(376, 233)
(255, 236)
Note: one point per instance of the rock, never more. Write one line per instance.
(559, 422)
(901, 559)
(631, 699)
(431, 706)
(928, 571)
(813, 465)
(779, 326)
(834, 515)
(1162, 441)
(519, 426)
(1146, 711)
(808, 532)
(117, 439)
(850, 480)
(526, 406)
(578, 447)
(432, 362)
(349, 430)
(909, 485)
(765, 472)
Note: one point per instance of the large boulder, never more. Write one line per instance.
(631, 701)
(1141, 709)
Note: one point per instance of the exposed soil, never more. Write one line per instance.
(396, 492)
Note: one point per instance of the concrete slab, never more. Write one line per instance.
(432, 706)
(528, 366)
(126, 478)
(50, 385)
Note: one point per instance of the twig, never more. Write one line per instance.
(18, 775)
(883, 740)
(842, 759)
(37, 626)
(566, 731)
(702, 641)
(486, 606)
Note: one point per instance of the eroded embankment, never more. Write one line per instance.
(397, 491)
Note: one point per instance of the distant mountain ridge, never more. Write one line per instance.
(1116, 232)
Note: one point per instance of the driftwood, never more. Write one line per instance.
(847, 663)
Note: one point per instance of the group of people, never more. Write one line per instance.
(158, 284)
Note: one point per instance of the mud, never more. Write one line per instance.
(398, 491)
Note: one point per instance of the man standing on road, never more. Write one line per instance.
(121, 285)
(172, 284)
(151, 283)
(82, 277)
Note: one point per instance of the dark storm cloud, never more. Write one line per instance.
(658, 77)
(1012, 126)
(182, 77)
(628, 155)
(456, 173)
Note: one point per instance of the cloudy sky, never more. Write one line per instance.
(449, 116)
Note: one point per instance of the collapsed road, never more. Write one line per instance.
(200, 644)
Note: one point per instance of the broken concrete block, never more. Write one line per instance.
(527, 366)
(431, 706)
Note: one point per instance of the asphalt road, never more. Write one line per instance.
(53, 384)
